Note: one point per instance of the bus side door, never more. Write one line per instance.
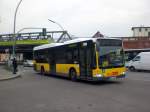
(85, 61)
(52, 62)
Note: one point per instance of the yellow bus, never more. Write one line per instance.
(83, 58)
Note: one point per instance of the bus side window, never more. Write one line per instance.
(69, 56)
(93, 63)
(50, 56)
(75, 57)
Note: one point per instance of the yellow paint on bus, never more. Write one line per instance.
(64, 68)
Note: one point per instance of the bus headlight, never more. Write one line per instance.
(123, 73)
(98, 75)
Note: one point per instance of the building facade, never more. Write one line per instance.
(141, 31)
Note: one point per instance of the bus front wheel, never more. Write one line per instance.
(73, 75)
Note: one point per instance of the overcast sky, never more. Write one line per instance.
(79, 17)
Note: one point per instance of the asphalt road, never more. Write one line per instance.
(35, 93)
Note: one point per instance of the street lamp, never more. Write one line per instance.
(57, 24)
(14, 30)
(64, 32)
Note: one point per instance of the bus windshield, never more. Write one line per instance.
(110, 53)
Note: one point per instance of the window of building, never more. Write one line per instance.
(146, 29)
(139, 29)
(149, 34)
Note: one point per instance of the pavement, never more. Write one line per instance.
(7, 74)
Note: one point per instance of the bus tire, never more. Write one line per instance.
(73, 75)
(42, 71)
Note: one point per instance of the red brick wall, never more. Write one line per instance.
(136, 44)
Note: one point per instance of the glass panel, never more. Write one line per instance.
(41, 56)
(137, 58)
(110, 53)
(109, 42)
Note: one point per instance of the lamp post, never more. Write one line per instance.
(57, 24)
(64, 32)
(14, 30)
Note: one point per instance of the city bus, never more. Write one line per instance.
(91, 59)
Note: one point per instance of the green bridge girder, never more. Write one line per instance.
(25, 42)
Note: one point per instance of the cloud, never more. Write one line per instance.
(80, 17)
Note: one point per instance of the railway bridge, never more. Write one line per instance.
(24, 42)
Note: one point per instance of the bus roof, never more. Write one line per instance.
(47, 46)
(68, 42)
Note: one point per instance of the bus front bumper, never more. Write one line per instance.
(100, 77)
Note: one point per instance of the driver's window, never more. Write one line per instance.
(137, 58)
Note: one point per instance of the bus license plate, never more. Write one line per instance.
(114, 73)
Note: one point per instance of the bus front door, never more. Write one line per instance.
(52, 65)
(84, 57)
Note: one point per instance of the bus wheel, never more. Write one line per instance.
(42, 71)
(73, 75)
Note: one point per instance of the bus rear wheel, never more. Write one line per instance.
(73, 75)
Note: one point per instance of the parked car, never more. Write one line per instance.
(28, 63)
(140, 62)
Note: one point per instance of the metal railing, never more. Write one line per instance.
(53, 35)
